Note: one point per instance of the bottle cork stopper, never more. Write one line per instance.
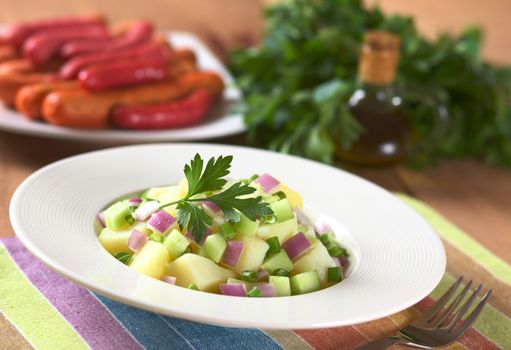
(379, 58)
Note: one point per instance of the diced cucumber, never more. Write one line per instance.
(334, 274)
(281, 284)
(276, 261)
(151, 259)
(305, 282)
(192, 268)
(246, 226)
(269, 199)
(215, 246)
(316, 258)
(252, 256)
(176, 244)
(117, 216)
(282, 230)
(282, 210)
(228, 231)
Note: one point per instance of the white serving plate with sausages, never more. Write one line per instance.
(222, 121)
(396, 257)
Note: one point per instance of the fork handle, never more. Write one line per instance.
(380, 344)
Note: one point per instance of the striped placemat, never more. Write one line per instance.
(43, 310)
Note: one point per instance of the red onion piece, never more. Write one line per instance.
(267, 182)
(211, 207)
(190, 236)
(135, 202)
(169, 279)
(261, 274)
(161, 222)
(301, 217)
(233, 289)
(232, 253)
(101, 218)
(296, 245)
(146, 209)
(137, 240)
(342, 262)
(320, 226)
(267, 289)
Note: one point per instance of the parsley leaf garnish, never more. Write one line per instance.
(194, 218)
(212, 177)
(204, 181)
(231, 204)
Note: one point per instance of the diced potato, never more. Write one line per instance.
(191, 268)
(252, 256)
(157, 192)
(151, 259)
(317, 258)
(294, 198)
(165, 195)
(116, 241)
(183, 188)
(283, 230)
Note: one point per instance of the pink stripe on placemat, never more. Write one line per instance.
(83, 311)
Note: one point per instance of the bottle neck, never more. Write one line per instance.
(374, 89)
(380, 94)
(378, 67)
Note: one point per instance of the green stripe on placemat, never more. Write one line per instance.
(33, 316)
(460, 240)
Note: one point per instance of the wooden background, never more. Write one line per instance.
(474, 196)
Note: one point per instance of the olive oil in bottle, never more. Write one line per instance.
(385, 139)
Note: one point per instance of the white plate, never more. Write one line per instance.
(399, 259)
(221, 121)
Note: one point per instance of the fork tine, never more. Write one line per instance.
(473, 315)
(432, 311)
(463, 310)
(452, 306)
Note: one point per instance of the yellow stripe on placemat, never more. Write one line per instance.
(25, 307)
(459, 239)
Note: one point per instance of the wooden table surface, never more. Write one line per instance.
(475, 196)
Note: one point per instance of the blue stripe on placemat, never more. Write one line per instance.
(154, 331)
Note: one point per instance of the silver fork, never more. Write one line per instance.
(440, 324)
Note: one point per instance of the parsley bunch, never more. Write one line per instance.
(297, 82)
(202, 181)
